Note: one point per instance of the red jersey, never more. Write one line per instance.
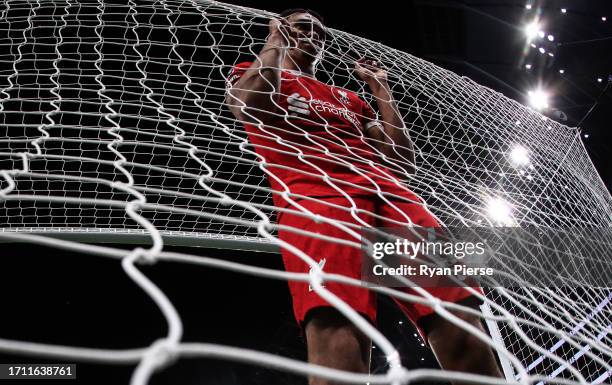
(319, 132)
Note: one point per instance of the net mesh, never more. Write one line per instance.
(113, 120)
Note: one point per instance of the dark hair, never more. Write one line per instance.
(291, 11)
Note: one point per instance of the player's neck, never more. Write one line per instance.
(305, 69)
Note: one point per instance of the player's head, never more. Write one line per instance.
(311, 33)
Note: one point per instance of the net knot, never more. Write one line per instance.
(144, 257)
(266, 226)
(436, 303)
(226, 201)
(397, 374)
(162, 353)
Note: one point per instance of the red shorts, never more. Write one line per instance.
(346, 260)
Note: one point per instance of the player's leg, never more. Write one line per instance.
(459, 350)
(455, 348)
(332, 340)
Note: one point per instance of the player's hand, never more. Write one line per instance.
(370, 71)
(282, 34)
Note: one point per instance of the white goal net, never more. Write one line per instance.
(113, 126)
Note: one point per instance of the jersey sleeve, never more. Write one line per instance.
(369, 117)
(237, 72)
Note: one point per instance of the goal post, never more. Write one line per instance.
(495, 333)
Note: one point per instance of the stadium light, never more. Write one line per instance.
(563, 10)
(519, 156)
(531, 30)
(528, 66)
(551, 38)
(528, 6)
(561, 71)
(542, 50)
(500, 211)
(538, 99)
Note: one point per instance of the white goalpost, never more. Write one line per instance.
(114, 128)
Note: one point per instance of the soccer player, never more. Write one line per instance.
(330, 140)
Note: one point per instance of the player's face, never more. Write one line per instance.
(311, 33)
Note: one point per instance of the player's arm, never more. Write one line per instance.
(390, 136)
(255, 95)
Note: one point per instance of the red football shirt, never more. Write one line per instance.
(318, 133)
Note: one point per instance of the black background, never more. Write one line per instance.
(58, 297)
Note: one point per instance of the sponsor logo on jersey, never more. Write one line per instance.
(325, 106)
(299, 106)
